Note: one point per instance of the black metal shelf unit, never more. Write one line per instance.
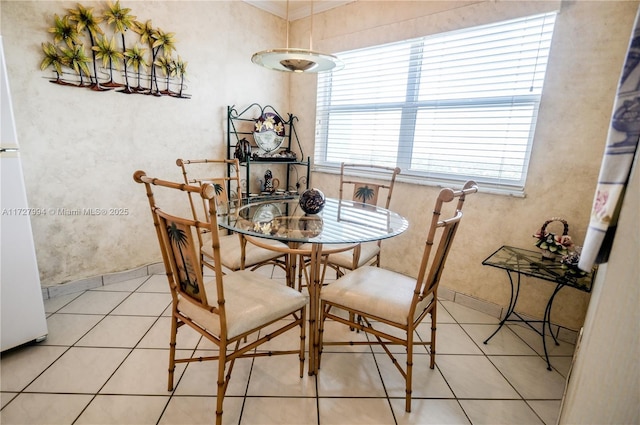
(241, 125)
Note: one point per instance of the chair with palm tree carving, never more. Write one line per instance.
(388, 305)
(369, 184)
(238, 311)
(236, 253)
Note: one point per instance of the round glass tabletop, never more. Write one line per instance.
(338, 222)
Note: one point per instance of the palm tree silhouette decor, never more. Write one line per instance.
(77, 59)
(135, 59)
(121, 20)
(168, 68)
(52, 57)
(106, 50)
(179, 239)
(365, 193)
(85, 20)
(80, 30)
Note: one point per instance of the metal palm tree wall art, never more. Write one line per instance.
(79, 32)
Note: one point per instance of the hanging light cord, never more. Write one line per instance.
(287, 24)
(311, 29)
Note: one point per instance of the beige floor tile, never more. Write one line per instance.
(349, 375)
(200, 378)
(54, 304)
(21, 366)
(548, 410)
(4, 399)
(282, 411)
(355, 411)
(67, 329)
(95, 302)
(535, 340)
(155, 283)
(349, 384)
(450, 339)
(562, 364)
(289, 340)
(80, 370)
(442, 315)
(117, 331)
(159, 336)
(530, 377)
(504, 342)
(200, 411)
(429, 412)
(464, 314)
(279, 376)
(39, 409)
(500, 412)
(120, 409)
(143, 372)
(474, 377)
(334, 331)
(124, 286)
(143, 304)
(426, 382)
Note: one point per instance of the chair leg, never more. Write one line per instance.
(409, 371)
(172, 351)
(303, 326)
(432, 351)
(321, 331)
(221, 383)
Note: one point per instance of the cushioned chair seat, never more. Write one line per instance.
(344, 259)
(230, 251)
(380, 292)
(251, 300)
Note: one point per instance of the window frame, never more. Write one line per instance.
(412, 105)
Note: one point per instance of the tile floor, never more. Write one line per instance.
(105, 362)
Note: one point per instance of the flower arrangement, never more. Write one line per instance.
(552, 244)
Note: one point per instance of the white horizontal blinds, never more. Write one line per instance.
(451, 106)
(360, 107)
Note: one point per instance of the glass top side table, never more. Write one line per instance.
(517, 262)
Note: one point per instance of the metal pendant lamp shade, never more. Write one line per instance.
(297, 60)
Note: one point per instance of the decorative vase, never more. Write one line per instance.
(312, 201)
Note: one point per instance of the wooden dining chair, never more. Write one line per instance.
(236, 254)
(238, 311)
(368, 184)
(382, 302)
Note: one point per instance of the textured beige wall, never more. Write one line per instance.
(587, 53)
(80, 148)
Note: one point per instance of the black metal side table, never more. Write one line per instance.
(518, 262)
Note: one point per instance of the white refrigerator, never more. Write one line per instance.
(22, 316)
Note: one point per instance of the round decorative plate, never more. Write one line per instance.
(267, 212)
(269, 132)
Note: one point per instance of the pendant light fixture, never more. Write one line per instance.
(297, 60)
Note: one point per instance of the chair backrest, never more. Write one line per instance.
(177, 236)
(444, 230)
(364, 189)
(213, 171)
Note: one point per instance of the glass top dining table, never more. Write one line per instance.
(339, 226)
(339, 221)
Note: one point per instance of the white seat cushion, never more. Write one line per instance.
(251, 300)
(230, 252)
(379, 292)
(368, 250)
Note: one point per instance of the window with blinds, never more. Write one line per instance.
(448, 107)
